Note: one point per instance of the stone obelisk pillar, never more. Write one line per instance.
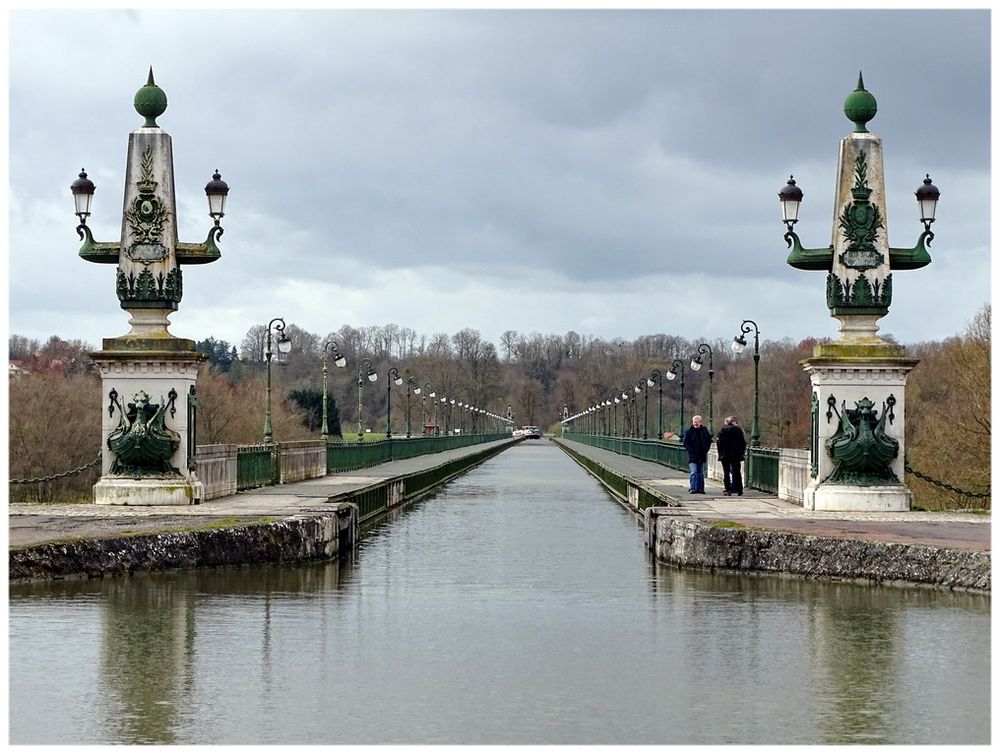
(859, 381)
(148, 375)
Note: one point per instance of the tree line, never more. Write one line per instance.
(536, 375)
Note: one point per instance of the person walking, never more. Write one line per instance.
(732, 447)
(697, 441)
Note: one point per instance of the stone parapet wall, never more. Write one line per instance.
(302, 460)
(793, 474)
(216, 469)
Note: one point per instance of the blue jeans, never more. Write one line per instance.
(697, 476)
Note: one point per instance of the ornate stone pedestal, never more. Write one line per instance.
(859, 411)
(148, 390)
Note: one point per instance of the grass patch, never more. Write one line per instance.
(726, 525)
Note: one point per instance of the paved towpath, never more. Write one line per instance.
(967, 531)
(35, 523)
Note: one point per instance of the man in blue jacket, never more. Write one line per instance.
(697, 441)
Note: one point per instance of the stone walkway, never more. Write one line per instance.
(35, 523)
(967, 531)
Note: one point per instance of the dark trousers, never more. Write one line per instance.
(731, 476)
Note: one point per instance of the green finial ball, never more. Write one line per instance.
(860, 107)
(150, 102)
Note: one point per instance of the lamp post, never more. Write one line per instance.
(391, 377)
(428, 393)
(338, 360)
(635, 413)
(672, 375)
(657, 376)
(284, 344)
(416, 391)
(696, 363)
(372, 377)
(739, 343)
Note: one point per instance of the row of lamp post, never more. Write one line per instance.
(332, 348)
(609, 406)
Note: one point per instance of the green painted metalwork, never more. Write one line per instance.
(376, 500)
(342, 456)
(192, 428)
(814, 436)
(807, 259)
(142, 442)
(762, 469)
(861, 449)
(761, 463)
(97, 251)
(616, 481)
(860, 106)
(670, 454)
(255, 466)
(201, 253)
(150, 102)
(912, 259)
(859, 297)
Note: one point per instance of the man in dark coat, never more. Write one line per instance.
(732, 447)
(697, 441)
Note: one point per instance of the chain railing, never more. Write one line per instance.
(943, 485)
(63, 475)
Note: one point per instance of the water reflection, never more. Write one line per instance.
(846, 651)
(518, 606)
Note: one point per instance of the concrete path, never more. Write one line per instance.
(967, 531)
(35, 523)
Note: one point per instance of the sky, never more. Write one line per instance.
(614, 173)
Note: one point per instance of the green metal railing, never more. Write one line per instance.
(346, 456)
(260, 465)
(378, 499)
(761, 465)
(615, 481)
(762, 469)
(669, 454)
(256, 466)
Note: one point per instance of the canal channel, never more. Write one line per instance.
(518, 605)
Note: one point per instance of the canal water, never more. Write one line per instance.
(516, 606)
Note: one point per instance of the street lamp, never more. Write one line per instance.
(428, 393)
(83, 195)
(635, 413)
(216, 190)
(389, 381)
(338, 360)
(284, 344)
(672, 375)
(739, 343)
(410, 381)
(372, 377)
(657, 376)
(696, 363)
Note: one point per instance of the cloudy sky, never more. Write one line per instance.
(609, 172)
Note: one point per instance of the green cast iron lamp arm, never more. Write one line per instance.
(807, 259)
